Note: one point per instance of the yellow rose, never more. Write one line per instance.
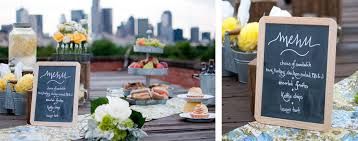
(58, 36)
(249, 36)
(77, 38)
(83, 37)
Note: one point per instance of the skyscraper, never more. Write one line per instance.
(205, 36)
(36, 24)
(159, 28)
(178, 35)
(121, 31)
(96, 19)
(194, 34)
(22, 16)
(130, 26)
(141, 27)
(77, 15)
(166, 29)
(107, 23)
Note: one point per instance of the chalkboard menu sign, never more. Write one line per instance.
(295, 72)
(55, 94)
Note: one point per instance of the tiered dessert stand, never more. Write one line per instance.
(148, 72)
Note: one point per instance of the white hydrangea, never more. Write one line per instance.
(116, 108)
(119, 108)
(100, 112)
(66, 39)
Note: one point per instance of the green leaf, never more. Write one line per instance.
(98, 102)
(356, 98)
(137, 118)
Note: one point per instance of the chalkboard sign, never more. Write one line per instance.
(295, 72)
(55, 94)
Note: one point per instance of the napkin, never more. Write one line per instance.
(227, 10)
(276, 11)
(4, 69)
(243, 12)
(18, 70)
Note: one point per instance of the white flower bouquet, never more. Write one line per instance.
(112, 119)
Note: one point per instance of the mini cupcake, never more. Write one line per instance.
(195, 92)
(200, 112)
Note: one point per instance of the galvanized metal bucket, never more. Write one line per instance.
(207, 85)
(14, 102)
(241, 63)
(2, 103)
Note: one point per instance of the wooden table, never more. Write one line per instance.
(168, 128)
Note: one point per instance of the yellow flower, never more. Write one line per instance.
(24, 84)
(2, 85)
(77, 38)
(83, 37)
(8, 77)
(229, 24)
(58, 36)
(249, 36)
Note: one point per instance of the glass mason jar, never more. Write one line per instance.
(22, 46)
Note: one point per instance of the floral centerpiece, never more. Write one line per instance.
(71, 36)
(112, 119)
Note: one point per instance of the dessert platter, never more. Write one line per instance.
(199, 114)
(148, 45)
(195, 94)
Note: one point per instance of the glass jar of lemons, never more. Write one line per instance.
(22, 46)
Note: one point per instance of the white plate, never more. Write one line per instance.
(190, 99)
(189, 118)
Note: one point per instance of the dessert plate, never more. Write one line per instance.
(190, 99)
(187, 117)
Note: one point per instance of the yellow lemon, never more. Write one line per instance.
(249, 36)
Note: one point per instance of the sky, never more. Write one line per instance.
(186, 13)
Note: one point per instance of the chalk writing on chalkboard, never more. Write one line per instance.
(56, 93)
(293, 69)
(294, 72)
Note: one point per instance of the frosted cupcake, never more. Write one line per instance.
(200, 112)
(195, 92)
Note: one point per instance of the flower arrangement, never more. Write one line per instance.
(24, 84)
(112, 119)
(71, 36)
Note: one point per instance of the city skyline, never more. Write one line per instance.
(183, 19)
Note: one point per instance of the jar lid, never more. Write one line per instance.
(22, 25)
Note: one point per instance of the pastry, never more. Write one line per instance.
(141, 94)
(159, 93)
(134, 86)
(195, 92)
(200, 112)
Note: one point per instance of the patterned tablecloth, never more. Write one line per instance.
(344, 121)
(43, 133)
